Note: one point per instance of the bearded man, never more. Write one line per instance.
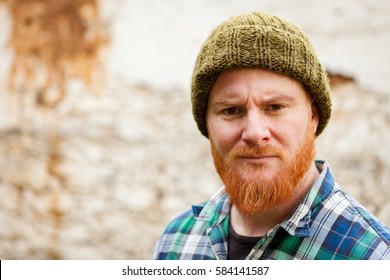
(261, 96)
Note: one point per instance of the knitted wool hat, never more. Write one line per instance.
(259, 40)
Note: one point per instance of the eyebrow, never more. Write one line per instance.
(277, 98)
(225, 102)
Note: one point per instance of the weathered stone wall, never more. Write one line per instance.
(100, 177)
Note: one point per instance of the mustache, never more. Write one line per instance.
(258, 151)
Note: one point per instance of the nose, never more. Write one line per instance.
(256, 129)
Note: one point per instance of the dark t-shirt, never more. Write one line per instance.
(240, 246)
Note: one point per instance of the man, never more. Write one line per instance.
(261, 97)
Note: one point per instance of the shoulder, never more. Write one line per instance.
(186, 236)
(184, 222)
(351, 228)
(172, 240)
(341, 224)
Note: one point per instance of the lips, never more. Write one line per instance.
(256, 158)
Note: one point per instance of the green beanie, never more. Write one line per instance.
(259, 40)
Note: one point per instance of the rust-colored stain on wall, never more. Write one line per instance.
(53, 41)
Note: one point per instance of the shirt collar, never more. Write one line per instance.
(298, 223)
(215, 215)
(215, 210)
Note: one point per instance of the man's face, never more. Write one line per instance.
(262, 128)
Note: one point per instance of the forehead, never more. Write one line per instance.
(261, 83)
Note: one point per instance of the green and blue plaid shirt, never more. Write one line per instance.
(328, 225)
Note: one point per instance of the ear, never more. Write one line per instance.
(315, 117)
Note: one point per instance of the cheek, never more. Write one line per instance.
(224, 136)
(291, 132)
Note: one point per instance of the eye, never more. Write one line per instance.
(231, 111)
(275, 107)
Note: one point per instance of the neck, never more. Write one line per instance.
(260, 223)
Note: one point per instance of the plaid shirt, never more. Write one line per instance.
(327, 225)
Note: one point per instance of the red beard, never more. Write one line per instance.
(255, 194)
